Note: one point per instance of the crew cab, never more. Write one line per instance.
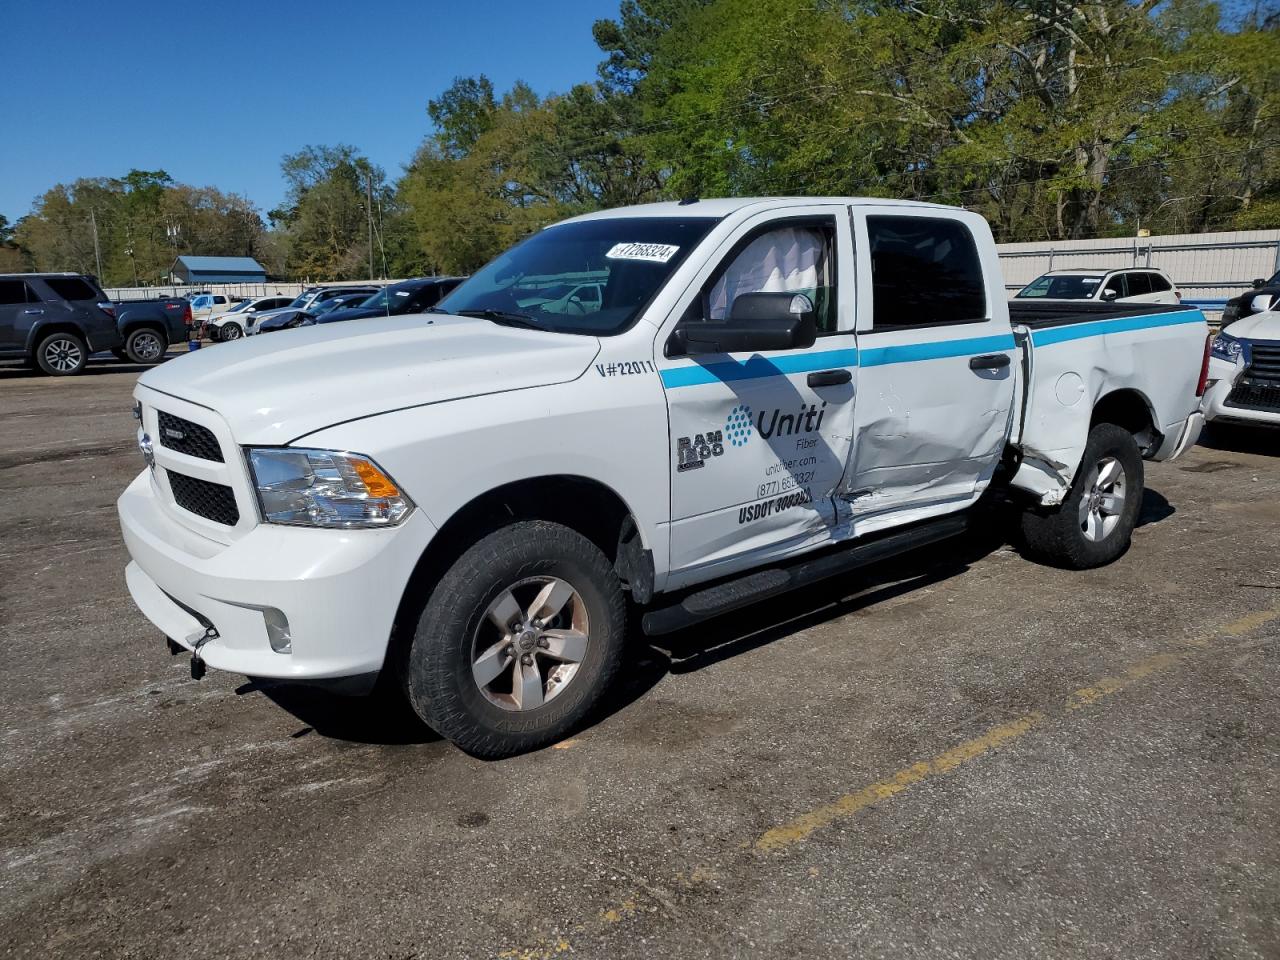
(767, 393)
(1244, 372)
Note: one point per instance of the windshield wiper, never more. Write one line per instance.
(503, 317)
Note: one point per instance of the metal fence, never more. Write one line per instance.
(241, 291)
(1208, 268)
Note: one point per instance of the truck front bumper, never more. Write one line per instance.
(288, 603)
(1216, 407)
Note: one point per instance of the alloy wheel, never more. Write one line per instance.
(1104, 499)
(530, 643)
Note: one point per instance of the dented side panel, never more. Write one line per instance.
(1077, 365)
(931, 421)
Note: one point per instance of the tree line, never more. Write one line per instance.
(1055, 119)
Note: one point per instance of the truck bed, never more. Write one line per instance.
(1055, 313)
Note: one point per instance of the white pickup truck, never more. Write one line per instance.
(766, 393)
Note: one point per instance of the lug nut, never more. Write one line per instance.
(527, 659)
(543, 642)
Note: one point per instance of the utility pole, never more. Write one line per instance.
(368, 179)
(97, 251)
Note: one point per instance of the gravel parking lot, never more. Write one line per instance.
(967, 756)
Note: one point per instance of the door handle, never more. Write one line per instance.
(829, 378)
(33, 311)
(989, 361)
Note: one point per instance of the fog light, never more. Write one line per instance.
(278, 630)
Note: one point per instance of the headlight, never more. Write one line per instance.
(1226, 347)
(323, 488)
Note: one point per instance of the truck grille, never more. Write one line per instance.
(1255, 395)
(213, 501)
(1264, 362)
(189, 438)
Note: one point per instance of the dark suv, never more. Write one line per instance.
(54, 320)
(1265, 295)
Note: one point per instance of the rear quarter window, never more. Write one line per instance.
(71, 288)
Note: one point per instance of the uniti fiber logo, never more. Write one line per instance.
(738, 427)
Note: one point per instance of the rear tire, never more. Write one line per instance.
(1094, 525)
(62, 354)
(518, 641)
(146, 345)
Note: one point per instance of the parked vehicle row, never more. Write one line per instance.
(54, 321)
(765, 393)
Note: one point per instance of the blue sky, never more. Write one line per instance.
(216, 93)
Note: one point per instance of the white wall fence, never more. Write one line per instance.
(1208, 268)
(238, 290)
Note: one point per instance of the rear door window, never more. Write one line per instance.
(1139, 284)
(1158, 283)
(16, 291)
(924, 271)
(71, 288)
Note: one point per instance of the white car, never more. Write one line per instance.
(240, 319)
(1244, 372)
(769, 392)
(1130, 285)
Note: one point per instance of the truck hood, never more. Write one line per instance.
(1259, 326)
(275, 389)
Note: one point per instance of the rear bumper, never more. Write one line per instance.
(1179, 437)
(332, 594)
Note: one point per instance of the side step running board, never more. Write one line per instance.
(762, 584)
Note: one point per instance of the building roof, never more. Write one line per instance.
(220, 264)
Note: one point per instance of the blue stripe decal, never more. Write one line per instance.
(909, 352)
(757, 367)
(1078, 331)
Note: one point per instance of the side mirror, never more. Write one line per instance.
(757, 322)
(1109, 295)
(1256, 284)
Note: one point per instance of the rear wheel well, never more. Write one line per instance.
(1128, 409)
(52, 328)
(583, 505)
(155, 325)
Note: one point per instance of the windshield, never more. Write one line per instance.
(391, 299)
(589, 277)
(242, 305)
(334, 303)
(1061, 288)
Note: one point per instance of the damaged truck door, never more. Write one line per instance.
(761, 426)
(936, 363)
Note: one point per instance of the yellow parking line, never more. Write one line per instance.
(851, 804)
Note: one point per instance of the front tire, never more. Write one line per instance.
(1094, 525)
(62, 354)
(146, 345)
(230, 331)
(518, 640)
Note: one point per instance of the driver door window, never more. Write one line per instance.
(1116, 285)
(789, 258)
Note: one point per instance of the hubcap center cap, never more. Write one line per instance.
(526, 641)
